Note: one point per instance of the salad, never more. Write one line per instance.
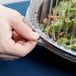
(60, 25)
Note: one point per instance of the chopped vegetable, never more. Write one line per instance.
(62, 27)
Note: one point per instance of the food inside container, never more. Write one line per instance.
(55, 21)
(60, 23)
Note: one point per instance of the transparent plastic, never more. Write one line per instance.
(48, 12)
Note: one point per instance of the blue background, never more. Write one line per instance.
(40, 62)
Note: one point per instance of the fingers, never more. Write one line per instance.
(30, 47)
(8, 57)
(24, 30)
(19, 49)
(16, 37)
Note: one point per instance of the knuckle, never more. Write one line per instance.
(23, 18)
(17, 13)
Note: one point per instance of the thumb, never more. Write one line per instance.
(24, 30)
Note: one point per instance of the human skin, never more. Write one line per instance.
(17, 39)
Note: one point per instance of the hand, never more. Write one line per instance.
(16, 38)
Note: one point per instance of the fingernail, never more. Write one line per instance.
(36, 35)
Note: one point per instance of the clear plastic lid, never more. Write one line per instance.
(55, 21)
